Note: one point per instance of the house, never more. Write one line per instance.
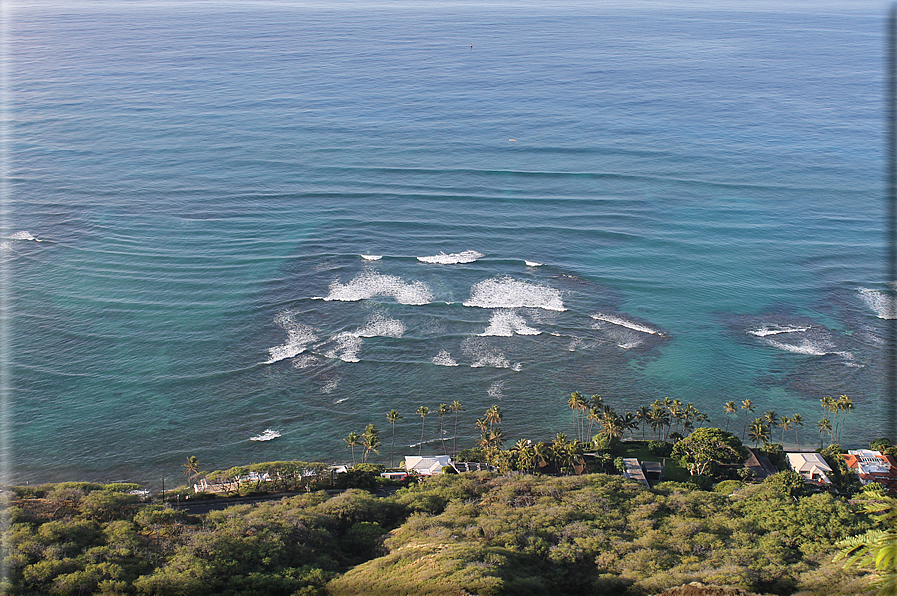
(427, 466)
(811, 466)
(759, 464)
(873, 466)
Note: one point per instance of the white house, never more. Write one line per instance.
(427, 466)
(811, 466)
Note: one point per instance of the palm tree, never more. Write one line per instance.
(845, 404)
(370, 440)
(611, 424)
(797, 420)
(729, 408)
(443, 410)
(785, 423)
(772, 419)
(422, 412)
(748, 406)
(758, 431)
(393, 417)
(493, 416)
(577, 403)
(703, 418)
(191, 468)
(660, 418)
(352, 439)
(643, 415)
(456, 407)
(825, 426)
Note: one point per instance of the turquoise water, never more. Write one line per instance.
(700, 186)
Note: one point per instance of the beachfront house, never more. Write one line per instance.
(873, 466)
(811, 466)
(426, 466)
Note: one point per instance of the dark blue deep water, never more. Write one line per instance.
(194, 186)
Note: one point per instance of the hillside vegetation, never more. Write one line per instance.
(473, 533)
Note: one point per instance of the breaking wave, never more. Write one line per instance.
(613, 320)
(482, 354)
(505, 323)
(330, 387)
(380, 326)
(22, 235)
(767, 330)
(496, 390)
(371, 257)
(506, 292)
(347, 347)
(532, 264)
(298, 337)
(468, 256)
(369, 284)
(305, 361)
(883, 305)
(443, 358)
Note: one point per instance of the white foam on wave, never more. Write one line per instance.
(443, 358)
(614, 320)
(305, 361)
(505, 323)
(506, 292)
(496, 390)
(767, 330)
(369, 285)
(22, 235)
(532, 264)
(467, 256)
(381, 326)
(805, 346)
(482, 354)
(882, 304)
(371, 257)
(5, 246)
(347, 347)
(298, 337)
(517, 366)
(330, 387)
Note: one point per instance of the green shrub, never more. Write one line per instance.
(660, 448)
(728, 487)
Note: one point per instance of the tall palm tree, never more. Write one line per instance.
(352, 440)
(825, 426)
(493, 416)
(643, 415)
(422, 412)
(577, 403)
(758, 431)
(392, 417)
(456, 407)
(797, 420)
(443, 410)
(748, 406)
(845, 404)
(729, 408)
(785, 423)
(191, 468)
(772, 419)
(370, 440)
(704, 418)
(660, 418)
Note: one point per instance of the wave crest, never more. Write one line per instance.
(506, 292)
(298, 337)
(369, 285)
(443, 358)
(505, 323)
(467, 256)
(883, 305)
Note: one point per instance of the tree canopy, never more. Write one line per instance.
(706, 448)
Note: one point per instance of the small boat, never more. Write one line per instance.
(266, 436)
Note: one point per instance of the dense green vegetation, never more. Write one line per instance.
(483, 533)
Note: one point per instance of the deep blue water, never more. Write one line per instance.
(701, 186)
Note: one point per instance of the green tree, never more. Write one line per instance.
(392, 417)
(797, 420)
(353, 439)
(748, 406)
(707, 448)
(370, 440)
(191, 469)
(578, 405)
(825, 426)
(422, 412)
(456, 407)
(758, 431)
(443, 410)
(729, 408)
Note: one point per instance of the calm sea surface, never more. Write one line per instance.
(300, 216)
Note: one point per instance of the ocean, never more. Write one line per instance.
(230, 217)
